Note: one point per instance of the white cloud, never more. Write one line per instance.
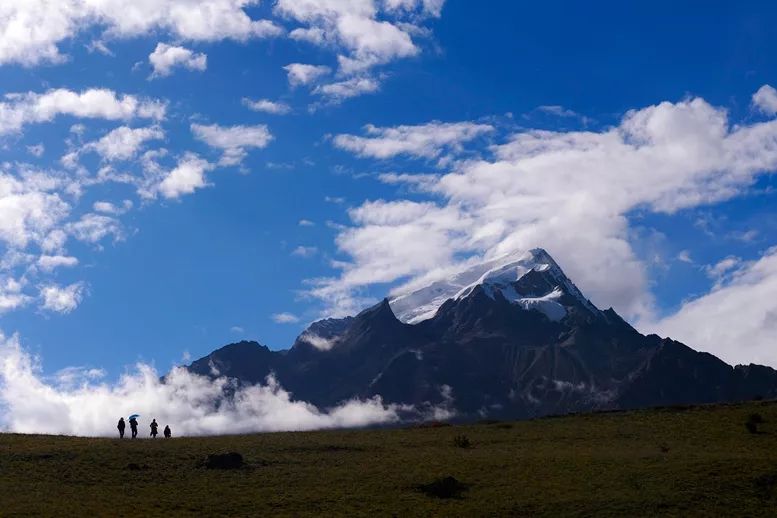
(425, 140)
(37, 150)
(237, 330)
(29, 209)
(365, 34)
(765, 99)
(685, 256)
(61, 299)
(352, 87)
(723, 267)
(306, 223)
(305, 251)
(351, 25)
(233, 140)
(107, 207)
(737, 320)
(123, 143)
(49, 263)
(166, 57)
(185, 178)
(73, 377)
(426, 7)
(20, 109)
(93, 228)
(319, 342)
(302, 74)
(190, 404)
(284, 318)
(100, 47)
(11, 295)
(557, 110)
(31, 30)
(546, 188)
(267, 106)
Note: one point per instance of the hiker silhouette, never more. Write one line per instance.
(154, 428)
(121, 427)
(167, 432)
(134, 427)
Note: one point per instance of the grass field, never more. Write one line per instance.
(698, 461)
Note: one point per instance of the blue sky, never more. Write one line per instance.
(305, 219)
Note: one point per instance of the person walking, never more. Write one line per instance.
(167, 432)
(154, 428)
(121, 427)
(133, 426)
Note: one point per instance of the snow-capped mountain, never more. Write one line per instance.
(509, 338)
(501, 275)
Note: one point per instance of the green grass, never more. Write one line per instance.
(699, 461)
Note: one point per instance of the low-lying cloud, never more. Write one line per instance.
(79, 404)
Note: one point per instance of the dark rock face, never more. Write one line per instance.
(487, 356)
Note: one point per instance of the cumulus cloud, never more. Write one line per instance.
(79, 404)
(284, 318)
(267, 106)
(365, 34)
(545, 188)
(185, 178)
(93, 228)
(107, 207)
(352, 87)
(61, 299)
(232, 140)
(30, 208)
(11, 296)
(302, 74)
(425, 140)
(31, 31)
(166, 57)
(123, 143)
(426, 7)
(737, 320)
(765, 99)
(49, 263)
(351, 25)
(21, 109)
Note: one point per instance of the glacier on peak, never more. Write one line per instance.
(495, 275)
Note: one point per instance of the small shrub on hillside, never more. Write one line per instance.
(446, 487)
(752, 422)
(231, 460)
(462, 441)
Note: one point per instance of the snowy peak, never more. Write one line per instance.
(531, 280)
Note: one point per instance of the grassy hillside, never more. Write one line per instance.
(681, 461)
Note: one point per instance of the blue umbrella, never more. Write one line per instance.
(134, 416)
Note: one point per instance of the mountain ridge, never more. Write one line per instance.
(519, 341)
